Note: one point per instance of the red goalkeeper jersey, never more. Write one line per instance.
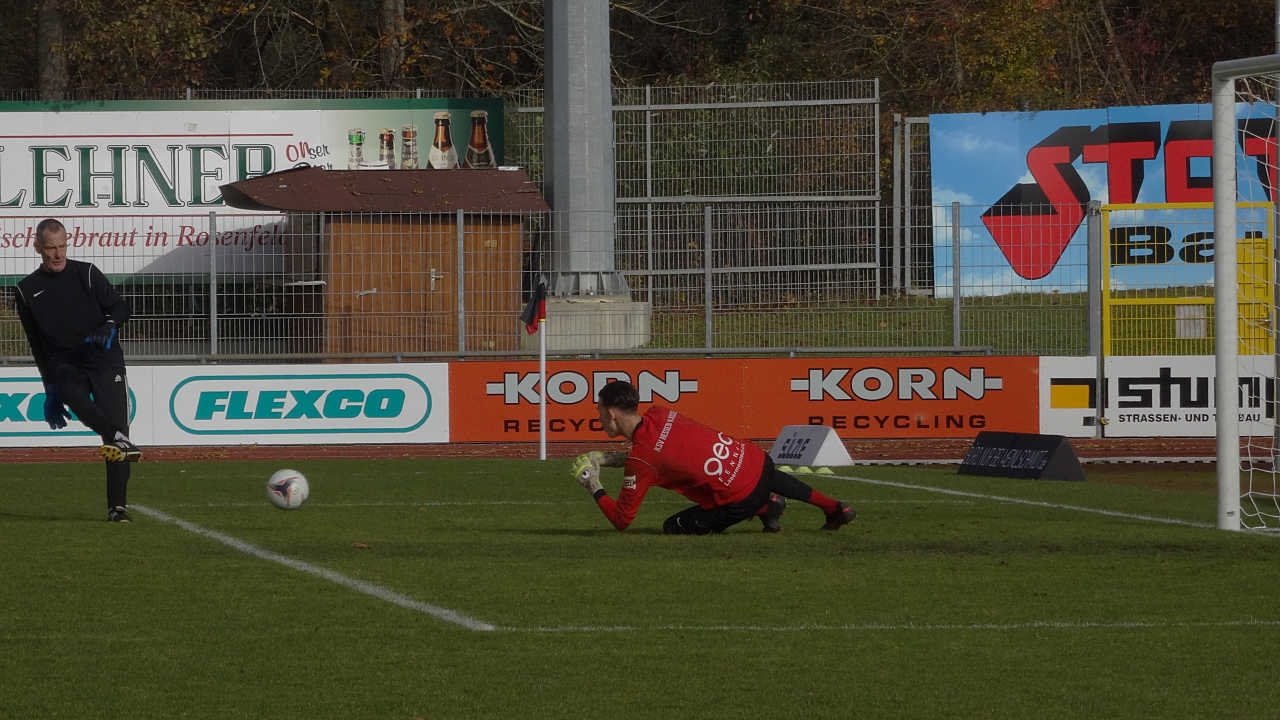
(675, 452)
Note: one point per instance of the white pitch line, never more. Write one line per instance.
(367, 588)
(899, 627)
(412, 503)
(407, 503)
(1024, 501)
(489, 503)
(457, 618)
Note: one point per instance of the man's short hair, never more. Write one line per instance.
(47, 225)
(620, 394)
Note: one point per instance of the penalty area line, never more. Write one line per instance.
(456, 618)
(899, 627)
(1024, 501)
(360, 586)
(418, 504)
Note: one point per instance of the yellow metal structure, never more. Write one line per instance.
(1169, 314)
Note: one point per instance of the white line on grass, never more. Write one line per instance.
(360, 586)
(406, 503)
(1024, 501)
(419, 504)
(488, 503)
(899, 627)
(473, 624)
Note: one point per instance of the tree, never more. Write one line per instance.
(980, 55)
(122, 47)
(930, 55)
(392, 34)
(50, 48)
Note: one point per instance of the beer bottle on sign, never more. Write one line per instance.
(409, 147)
(355, 148)
(479, 152)
(387, 147)
(442, 155)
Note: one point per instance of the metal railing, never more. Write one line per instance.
(748, 220)
(720, 279)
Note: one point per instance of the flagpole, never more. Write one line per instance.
(534, 318)
(542, 384)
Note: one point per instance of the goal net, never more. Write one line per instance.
(1245, 97)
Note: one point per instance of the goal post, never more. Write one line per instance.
(1244, 146)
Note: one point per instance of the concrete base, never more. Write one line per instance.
(584, 324)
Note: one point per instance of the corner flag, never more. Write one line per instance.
(536, 310)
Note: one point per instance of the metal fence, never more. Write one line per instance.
(720, 279)
(792, 142)
(748, 221)
(913, 219)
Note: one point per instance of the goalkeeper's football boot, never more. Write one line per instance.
(118, 514)
(120, 450)
(842, 516)
(772, 515)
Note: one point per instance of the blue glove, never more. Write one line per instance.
(103, 336)
(54, 412)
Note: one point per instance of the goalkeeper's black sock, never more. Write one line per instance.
(789, 487)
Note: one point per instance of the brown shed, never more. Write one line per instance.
(390, 253)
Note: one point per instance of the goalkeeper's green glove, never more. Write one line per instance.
(586, 470)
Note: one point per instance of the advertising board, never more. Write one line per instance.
(134, 182)
(755, 397)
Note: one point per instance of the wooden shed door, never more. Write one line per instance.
(391, 284)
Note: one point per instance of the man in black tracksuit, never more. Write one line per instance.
(71, 315)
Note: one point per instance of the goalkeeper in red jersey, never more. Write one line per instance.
(731, 480)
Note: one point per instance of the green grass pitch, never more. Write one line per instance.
(494, 589)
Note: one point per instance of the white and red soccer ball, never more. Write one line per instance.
(288, 489)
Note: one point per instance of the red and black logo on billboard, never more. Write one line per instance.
(1033, 222)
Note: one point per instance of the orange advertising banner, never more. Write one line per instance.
(754, 397)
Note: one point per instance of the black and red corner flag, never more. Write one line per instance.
(536, 310)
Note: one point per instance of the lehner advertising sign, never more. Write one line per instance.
(134, 182)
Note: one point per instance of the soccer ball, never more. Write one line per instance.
(288, 489)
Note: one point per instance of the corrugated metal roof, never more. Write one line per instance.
(312, 189)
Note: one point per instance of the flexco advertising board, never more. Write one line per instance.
(754, 398)
(252, 404)
(134, 182)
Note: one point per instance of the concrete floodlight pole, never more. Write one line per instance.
(579, 146)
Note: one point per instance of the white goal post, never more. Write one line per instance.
(1245, 100)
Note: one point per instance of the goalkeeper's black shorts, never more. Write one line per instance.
(701, 521)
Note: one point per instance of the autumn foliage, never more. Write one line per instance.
(929, 55)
